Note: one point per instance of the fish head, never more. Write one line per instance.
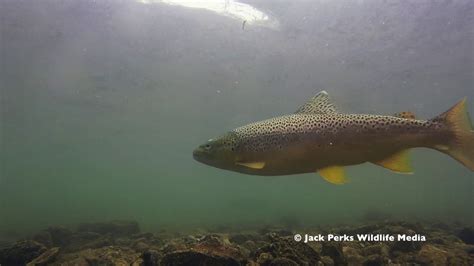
(219, 152)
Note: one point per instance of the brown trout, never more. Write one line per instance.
(319, 138)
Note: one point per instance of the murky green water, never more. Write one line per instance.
(102, 103)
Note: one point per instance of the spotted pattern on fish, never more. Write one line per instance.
(277, 132)
(319, 138)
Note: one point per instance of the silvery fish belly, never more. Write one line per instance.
(318, 138)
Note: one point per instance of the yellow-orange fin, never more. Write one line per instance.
(398, 162)
(461, 145)
(334, 175)
(406, 115)
(253, 165)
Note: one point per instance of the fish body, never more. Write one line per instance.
(303, 143)
(318, 138)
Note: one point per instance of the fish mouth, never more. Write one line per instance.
(200, 155)
(203, 156)
(196, 154)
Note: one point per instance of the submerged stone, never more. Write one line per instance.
(286, 247)
(196, 258)
(334, 250)
(283, 262)
(21, 252)
(45, 258)
(151, 258)
(467, 235)
(44, 237)
(431, 255)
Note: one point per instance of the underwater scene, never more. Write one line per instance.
(225, 132)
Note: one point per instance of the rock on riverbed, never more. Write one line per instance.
(122, 243)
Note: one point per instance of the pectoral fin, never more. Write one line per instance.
(253, 165)
(334, 174)
(398, 162)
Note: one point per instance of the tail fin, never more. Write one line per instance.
(461, 147)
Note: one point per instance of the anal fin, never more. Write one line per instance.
(398, 162)
(334, 175)
(253, 165)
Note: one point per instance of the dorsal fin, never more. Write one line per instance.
(406, 115)
(319, 104)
